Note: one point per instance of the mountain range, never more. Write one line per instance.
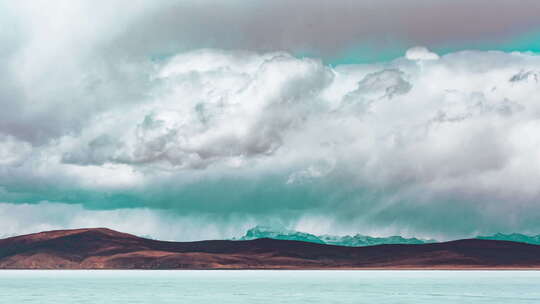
(513, 237)
(101, 248)
(360, 240)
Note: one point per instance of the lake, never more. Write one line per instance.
(261, 286)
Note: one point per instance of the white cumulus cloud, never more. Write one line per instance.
(420, 53)
(384, 141)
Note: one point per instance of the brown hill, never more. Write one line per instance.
(102, 248)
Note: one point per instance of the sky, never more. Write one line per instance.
(189, 120)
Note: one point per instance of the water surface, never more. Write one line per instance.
(118, 286)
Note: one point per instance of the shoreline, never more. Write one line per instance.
(287, 269)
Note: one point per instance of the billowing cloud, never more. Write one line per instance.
(209, 106)
(140, 117)
(420, 53)
(441, 146)
(101, 57)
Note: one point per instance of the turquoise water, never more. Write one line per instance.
(274, 287)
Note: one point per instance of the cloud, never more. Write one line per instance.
(55, 68)
(24, 218)
(101, 57)
(310, 25)
(12, 151)
(438, 148)
(205, 113)
(420, 53)
(172, 106)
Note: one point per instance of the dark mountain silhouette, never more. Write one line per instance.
(100, 248)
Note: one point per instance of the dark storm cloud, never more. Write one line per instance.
(328, 27)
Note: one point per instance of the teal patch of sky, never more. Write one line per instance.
(529, 42)
(389, 50)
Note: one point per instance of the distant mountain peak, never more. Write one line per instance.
(357, 240)
(259, 232)
(513, 237)
(360, 240)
